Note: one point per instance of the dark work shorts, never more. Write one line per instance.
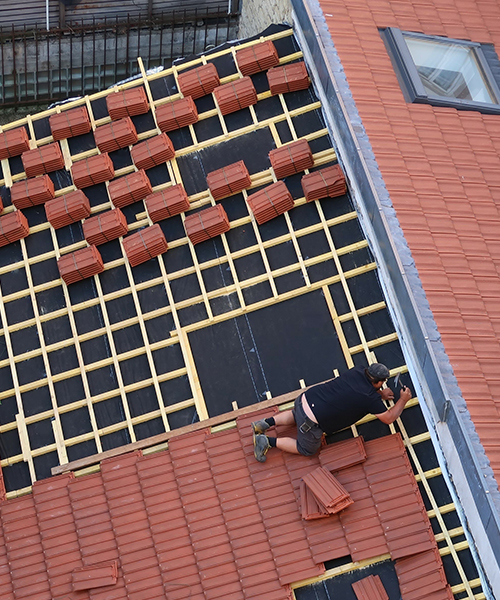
(309, 433)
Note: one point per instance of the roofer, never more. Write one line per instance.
(330, 407)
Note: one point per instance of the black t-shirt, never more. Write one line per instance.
(341, 402)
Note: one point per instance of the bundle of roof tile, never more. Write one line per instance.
(79, 265)
(228, 180)
(105, 227)
(198, 82)
(115, 135)
(67, 209)
(207, 223)
(325, 183)
(44, 159)
(129, 189)
(167, 203)
(310, 507)
(288, 78)
(30, 192)
(256, 58)
(70, 123)
(370, 588)
(291, 158)
(127, 103)
(94, 576)
(177, 114)
(13, 142)
(235, 95)
(13, 227)
(93, 170)
(153, 152)
(329, 493)
(144, 245)
(273, 200)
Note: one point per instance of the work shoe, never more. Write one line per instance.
(260, 426)
(260, 447)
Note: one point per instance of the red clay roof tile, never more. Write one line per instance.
(370, 588)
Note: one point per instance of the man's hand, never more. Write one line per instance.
(387, 393)
(405, 394)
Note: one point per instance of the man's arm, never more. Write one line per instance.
(390, 415)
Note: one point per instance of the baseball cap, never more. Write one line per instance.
(378, 372)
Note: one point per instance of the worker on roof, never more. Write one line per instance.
(330, 407)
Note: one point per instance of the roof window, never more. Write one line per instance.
(445, 72)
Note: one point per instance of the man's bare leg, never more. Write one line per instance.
(284, 418)
(287, 445)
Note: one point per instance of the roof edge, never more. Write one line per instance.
(447, 414)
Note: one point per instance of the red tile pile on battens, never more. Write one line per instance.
(328, 491)
(270, 202)
(80, 264)
(256, 58)
(402, 513)
(199, 82)
(311, 509)
(13, 227)
(30, 192)
(235, 95)
(207, 223)
(69, 123)
(153, 152)
(167, 203)
(288, 78)
(422, 577)
(93, 170)
(291, 158)
(105, 227)
(129, 189)
(13, 142)
(127, 103)
(177, 114)
(343, 454)
(43, 160)
(370, 588)
(115, 135)
(325, 183)
(94, 576)
(228, 180)
(67, 209)
(144, 245)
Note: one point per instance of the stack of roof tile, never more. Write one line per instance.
(270, 202)
(93, 170)
(167, 203)
(325, 183)
(425, 566)
(370, 588)
(153, 152)
(207, 223)
(256, 58)
(199, 82)
(42, 160)
(130, 188)
(79, 265)
(329, 493)
(30, 192)
(105, 227)
(144, 245)
(288, 78)
(115, 135)
(177, 114)
(235, 95)
(94, 576)
(228, 180)
(13, 227)
(291, 158)
(70, 123)
(13, 142)
(127, 103)
(311, 508)
(67, 209)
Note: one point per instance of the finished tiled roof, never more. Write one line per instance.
(204, 519)
(441, 167)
